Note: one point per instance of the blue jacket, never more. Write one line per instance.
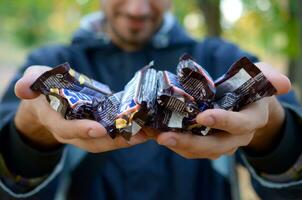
(145, 171)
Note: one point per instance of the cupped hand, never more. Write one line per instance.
(256, 126)
(45, 128)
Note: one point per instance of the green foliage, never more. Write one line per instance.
(277, 26)
(181, 8)
(32, 22)
(24, 20)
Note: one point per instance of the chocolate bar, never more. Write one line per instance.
(71, 104)
(228, 101)
(106, 110)
(192, 126)
(167, 120)
(63, 76)
(244, 80)
(137, 102)
(69, 92)
(195, 80)
(171, 96)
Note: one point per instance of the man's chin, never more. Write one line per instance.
(136, 41)
(131, 39)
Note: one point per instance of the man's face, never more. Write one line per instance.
(133, 22)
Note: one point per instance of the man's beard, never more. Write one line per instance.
(133, 38)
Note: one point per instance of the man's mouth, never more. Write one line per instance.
(136, 24)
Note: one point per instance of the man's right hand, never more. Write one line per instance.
(45, 128)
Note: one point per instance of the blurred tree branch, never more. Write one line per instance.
(211, 13)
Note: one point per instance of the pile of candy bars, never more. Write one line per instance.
(158, 99)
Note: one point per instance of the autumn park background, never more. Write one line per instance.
(271, 29)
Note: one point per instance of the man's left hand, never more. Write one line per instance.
(257, 126)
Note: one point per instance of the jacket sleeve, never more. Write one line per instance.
(277, 175)
(24, 171)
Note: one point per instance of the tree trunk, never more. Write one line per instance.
(295, 64)
(211, 13)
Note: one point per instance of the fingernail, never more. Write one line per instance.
(208, 121)
(171, 142)
(93, 134)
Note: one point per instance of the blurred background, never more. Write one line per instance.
(271, 29)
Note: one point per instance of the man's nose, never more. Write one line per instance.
(138, 8)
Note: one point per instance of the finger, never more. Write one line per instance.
(22, 87)
(98, 145)
(231, 152)
(204, 146)
(278, 80)
(67, 129)
(139, 138)
(106, 143)
(151, 132)
(83, 128)
(247, 120)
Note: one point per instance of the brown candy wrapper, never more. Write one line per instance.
(243, 84)
(69, 92)
(190, 125)
(63, 76)
(171, 96)
(106, 111)
(167, 120)
(71, 104)
(195, 80)
(137, 102)
(228, 101)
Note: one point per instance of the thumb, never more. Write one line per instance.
(278, 80)
(22, 87)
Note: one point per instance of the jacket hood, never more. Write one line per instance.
(91, 33)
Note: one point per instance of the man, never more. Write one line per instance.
(110, 47)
